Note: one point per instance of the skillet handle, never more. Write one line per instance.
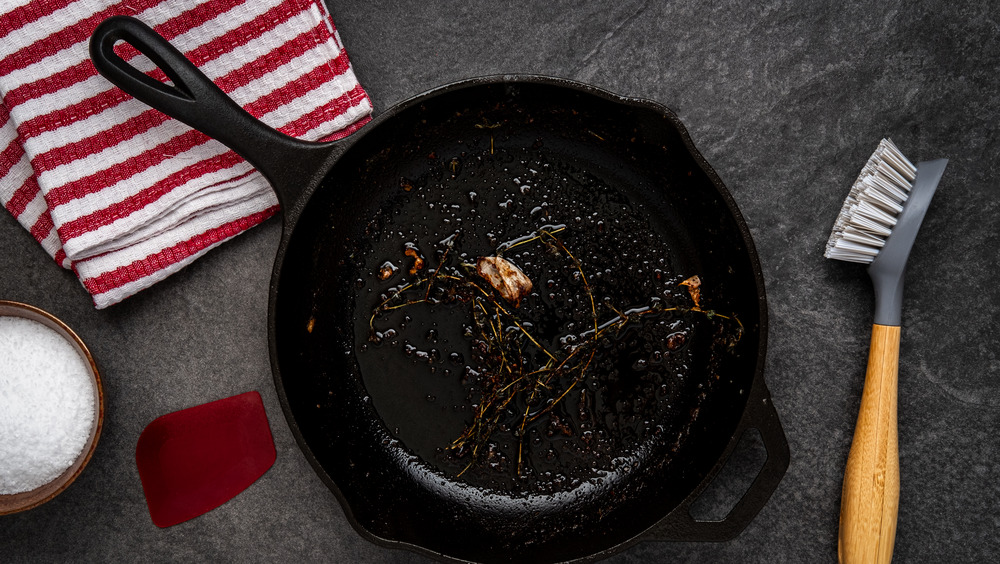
(289, 164)
(680, 525)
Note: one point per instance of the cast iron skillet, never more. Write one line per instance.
(332, 196)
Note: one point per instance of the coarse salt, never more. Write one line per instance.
(47, 396)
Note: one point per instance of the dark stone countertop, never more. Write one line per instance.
(786, 100)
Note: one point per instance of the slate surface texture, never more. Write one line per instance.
(786, 100)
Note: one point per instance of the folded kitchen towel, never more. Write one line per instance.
(118, 192)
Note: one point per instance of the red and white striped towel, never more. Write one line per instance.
(118, 192)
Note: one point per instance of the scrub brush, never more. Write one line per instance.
(877, 226)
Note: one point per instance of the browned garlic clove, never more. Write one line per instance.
(506, 278)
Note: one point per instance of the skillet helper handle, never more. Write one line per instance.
(288, 164)
(870, 499)
(679, 525)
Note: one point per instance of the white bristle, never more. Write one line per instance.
(871, 207)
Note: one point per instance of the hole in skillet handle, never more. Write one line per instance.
(289, 164)
(175, 99)
(719, 498)
(680, 524)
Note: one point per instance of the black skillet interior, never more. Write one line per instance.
(458, 163)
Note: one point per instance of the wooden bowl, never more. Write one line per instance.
(12, 503)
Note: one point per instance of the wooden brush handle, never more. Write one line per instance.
(870, 498)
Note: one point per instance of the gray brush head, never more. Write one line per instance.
(880, 219)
